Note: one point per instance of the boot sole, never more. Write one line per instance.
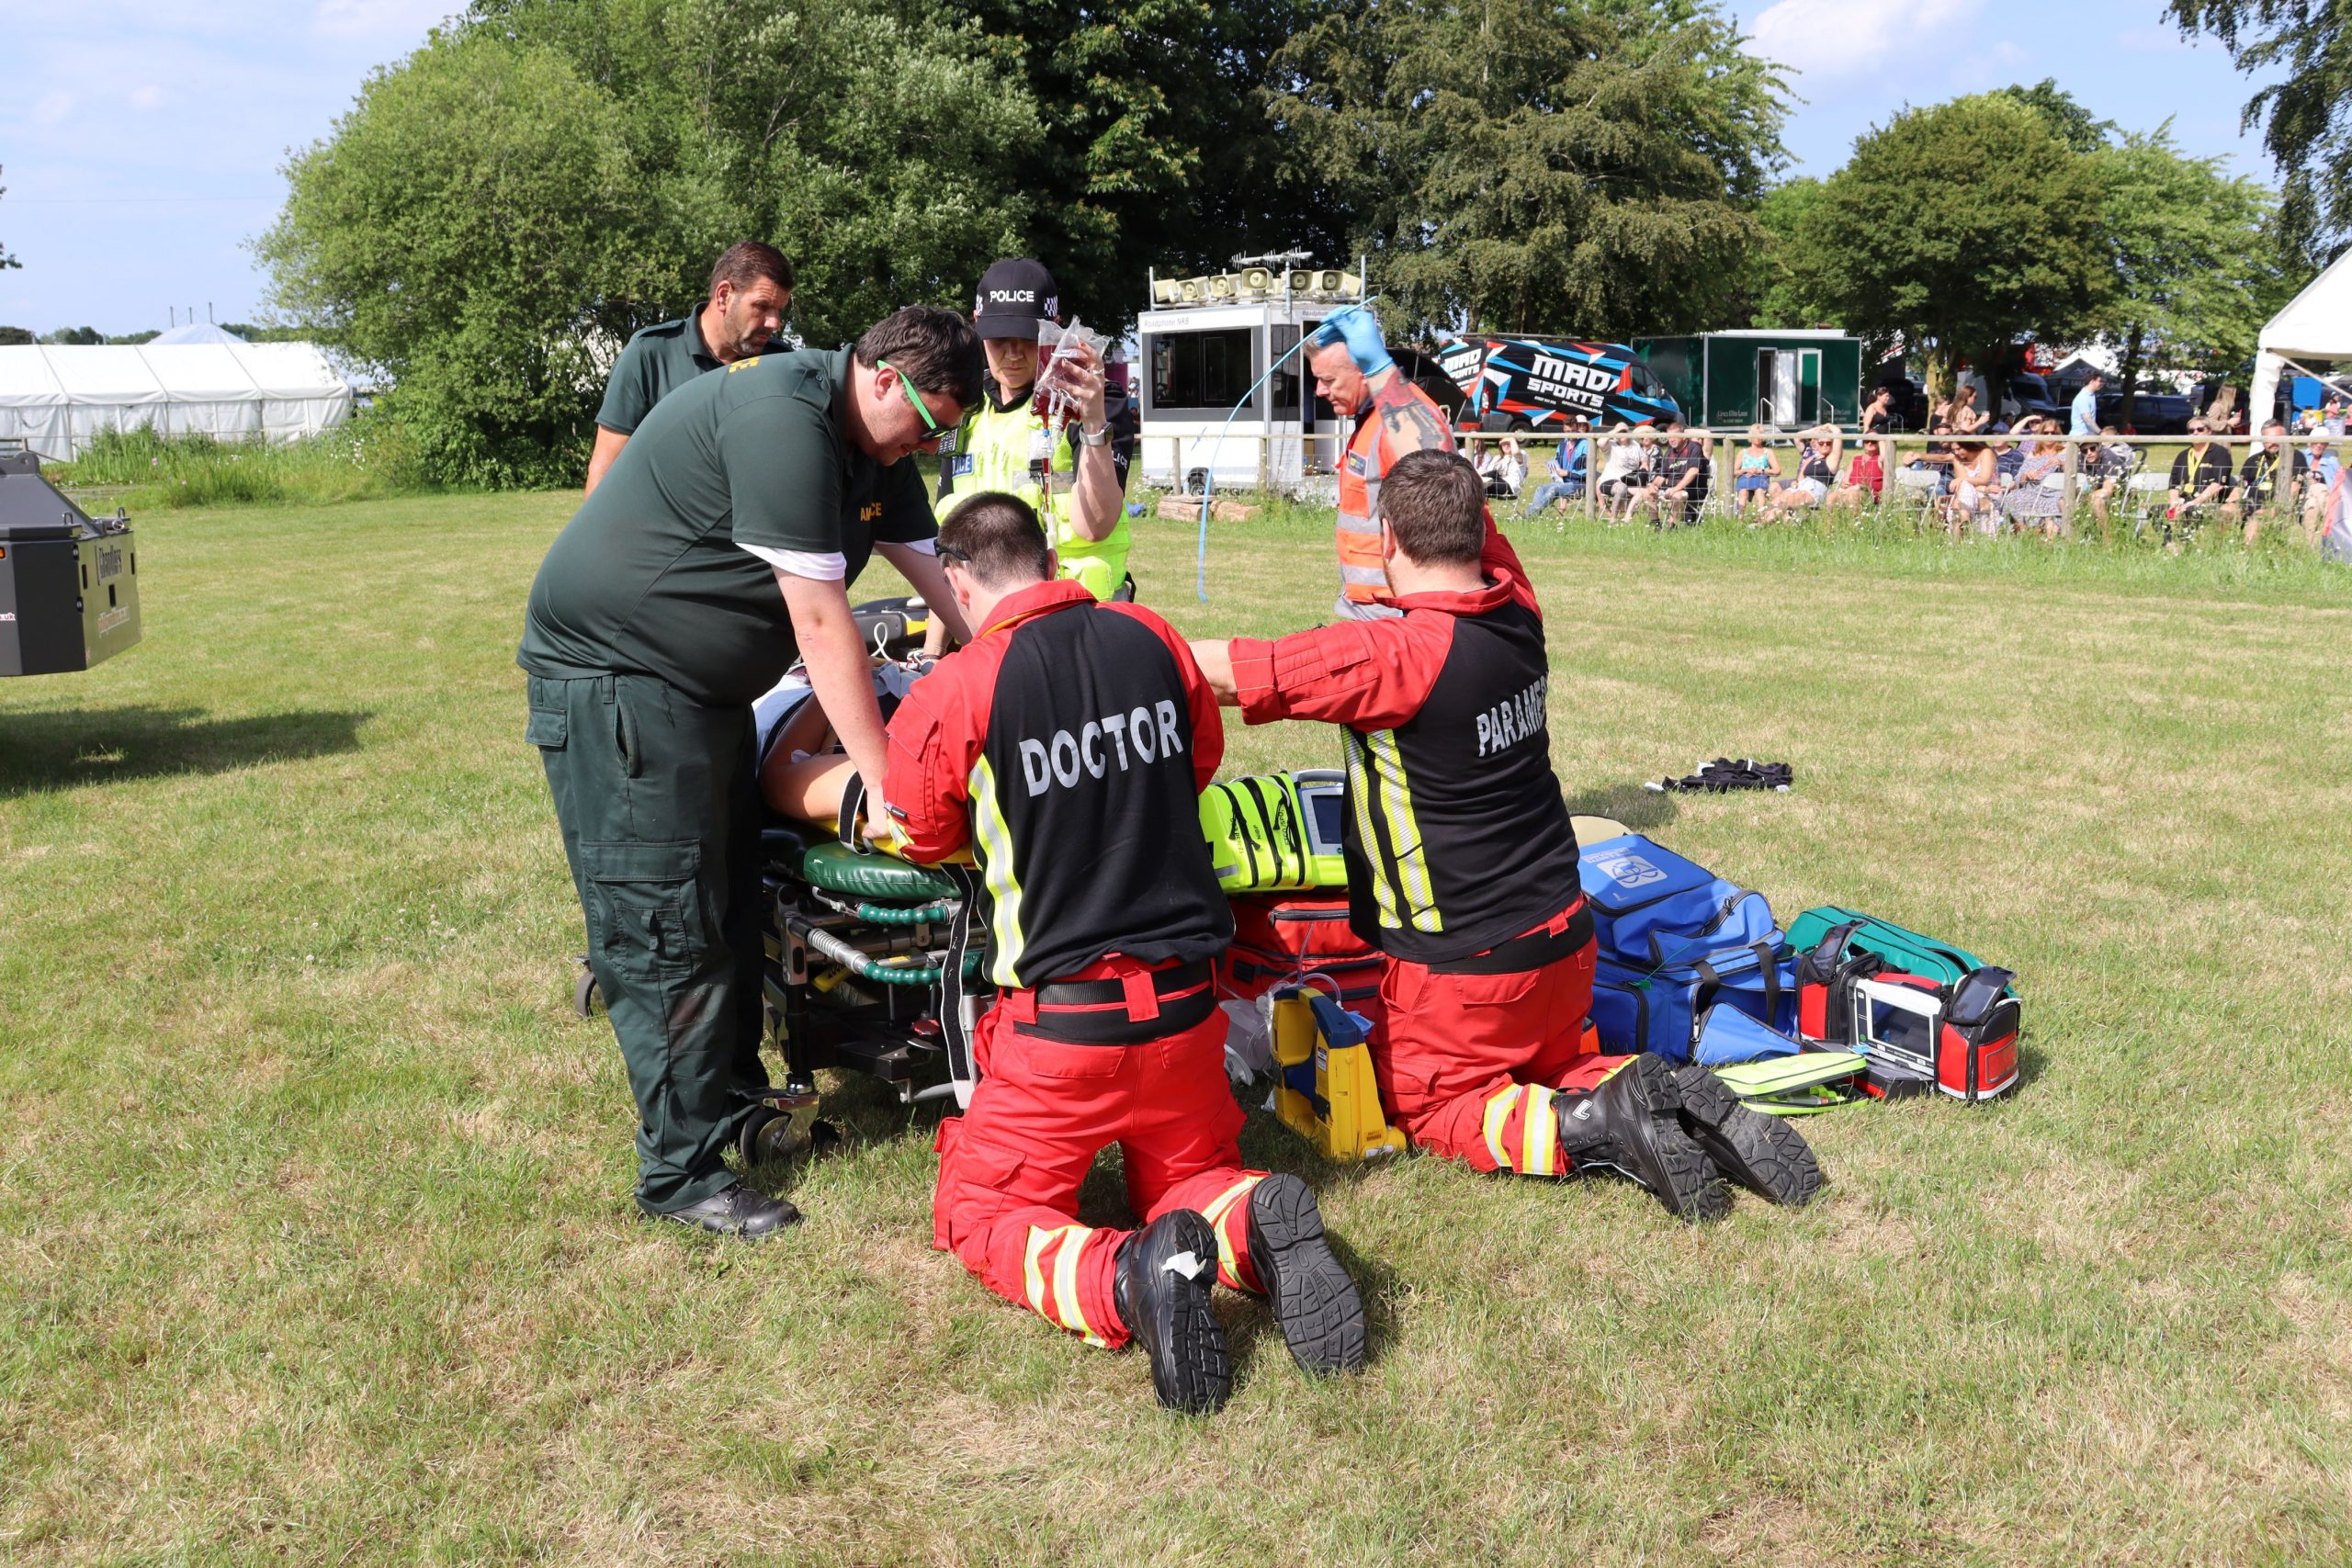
(1190, 1370)
(1315, 1304)
(1693, 1190)
(1763, 1153)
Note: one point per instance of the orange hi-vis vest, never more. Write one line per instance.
(1401, 419)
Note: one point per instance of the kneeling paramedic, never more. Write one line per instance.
(1072, 741)
(1462, 869)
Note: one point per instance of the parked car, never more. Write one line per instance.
(2154, 411)
(2027, 396)
(1535, 384)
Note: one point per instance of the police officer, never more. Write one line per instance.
(1077, 736)
(750, 294)
(722, 540)
(1068, 476)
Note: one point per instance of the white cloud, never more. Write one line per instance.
(370, 18)
(52, 109)
(1829, 38)
(147, 97)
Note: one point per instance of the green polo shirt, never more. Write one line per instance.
(650, 576)
(657, 362)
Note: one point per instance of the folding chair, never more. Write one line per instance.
(2143, 494)
(1915, 484)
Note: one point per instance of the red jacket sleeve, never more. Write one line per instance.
(1208, 721)
(1497, 555)
(935, 735)
(1368, 674)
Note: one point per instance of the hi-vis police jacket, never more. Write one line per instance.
(1068, 745)
(1010, 449)
(1456, 838)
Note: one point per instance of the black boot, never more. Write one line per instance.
(1630, 1124)
(1315, 1302)
(1764, 1153)
(734, 1210)
(1162, 1285)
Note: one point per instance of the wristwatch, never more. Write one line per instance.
(1099, 436)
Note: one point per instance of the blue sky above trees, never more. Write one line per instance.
(142, 139)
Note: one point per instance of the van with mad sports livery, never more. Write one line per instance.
(1536, 383)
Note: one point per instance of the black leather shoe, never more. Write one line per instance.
(735, 1209)
(1764, 1153)
(1631, 1123)
(1161, 1285)
(1317, 1304)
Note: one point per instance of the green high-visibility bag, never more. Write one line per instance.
(1275, 831)
(1902, 951)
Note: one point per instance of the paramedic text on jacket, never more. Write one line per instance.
(1104, 917)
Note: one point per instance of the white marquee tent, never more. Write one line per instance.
(55, 398)
(2314, 328)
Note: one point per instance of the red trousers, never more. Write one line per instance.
(1468, 1063)
(1010, 1166)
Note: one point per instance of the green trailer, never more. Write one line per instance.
(1786, 379)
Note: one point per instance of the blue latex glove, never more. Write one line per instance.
(1357, 328)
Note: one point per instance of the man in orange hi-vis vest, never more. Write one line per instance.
(1353, 372)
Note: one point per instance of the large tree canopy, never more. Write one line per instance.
(2307, 127)
(2197, 261)
(1587, 168)
(1959, 229)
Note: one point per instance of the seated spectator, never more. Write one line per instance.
(1622, 474)
(2268, 479)
(2035, 494)
(1678, 486)
(2201, 478)
(2321, 465)
(2331, 416)
(1865, 480)
(1816, 471)
(1754, 475)
(1937, 458)
(2103, 468)
(1975, 475)
(1571, 459)
(1501, 468)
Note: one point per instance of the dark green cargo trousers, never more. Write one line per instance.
(660, 814)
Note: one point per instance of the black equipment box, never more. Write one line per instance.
(69, 585)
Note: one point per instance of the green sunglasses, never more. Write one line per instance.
(931, 426)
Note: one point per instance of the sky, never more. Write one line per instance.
(141, 140)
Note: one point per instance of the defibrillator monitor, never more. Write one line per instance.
(1322, 799)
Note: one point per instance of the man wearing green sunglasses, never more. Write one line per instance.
(721, 544)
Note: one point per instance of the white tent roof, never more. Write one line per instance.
(194, 331)
(2316, 323)
(55, 399)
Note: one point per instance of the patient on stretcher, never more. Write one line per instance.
(803, 771)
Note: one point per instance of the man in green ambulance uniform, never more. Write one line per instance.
(1067, 476)
(751, 294)
(721, 543)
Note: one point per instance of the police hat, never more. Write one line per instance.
(1015, 295)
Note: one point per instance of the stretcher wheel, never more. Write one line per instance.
(823, 1138)
(837, 868)
(584, 990)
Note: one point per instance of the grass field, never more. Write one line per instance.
(315, 1242)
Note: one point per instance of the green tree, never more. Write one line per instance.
(1958, 228)
(878, 143)
(2305, 128)
(1587, 168)
(1775, 298)
(453, 230)
(2073, 124)
(498, 212)
(75, 337)
(12, 337)
(2196, 259)
(1138, 165)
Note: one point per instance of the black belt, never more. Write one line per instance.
(1532, 950)
(1094, 1013)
